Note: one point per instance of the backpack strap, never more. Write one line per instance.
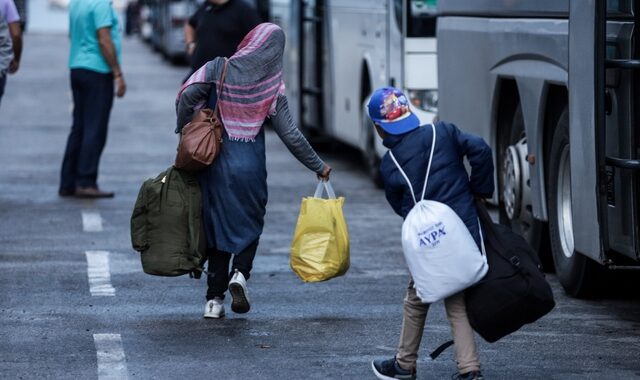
(413, 195)
(424, 188)
(433, 147)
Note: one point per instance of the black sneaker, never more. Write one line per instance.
(389, 369)
(473, 375)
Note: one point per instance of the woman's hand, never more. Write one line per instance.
(326, 171)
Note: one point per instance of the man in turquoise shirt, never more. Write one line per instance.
(95, 71)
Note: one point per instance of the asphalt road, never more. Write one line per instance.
(152, 328)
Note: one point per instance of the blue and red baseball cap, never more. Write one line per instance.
(389, 108)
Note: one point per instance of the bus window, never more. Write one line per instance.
(421, 17)
(620, 6)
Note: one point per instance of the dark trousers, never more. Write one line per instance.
(219, 275)
(92, 101)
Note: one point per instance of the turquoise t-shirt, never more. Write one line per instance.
(85, 18)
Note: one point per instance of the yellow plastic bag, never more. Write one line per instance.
(320, 246)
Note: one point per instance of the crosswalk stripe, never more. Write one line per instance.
(99, 274)
(91, 221)
(112, 363)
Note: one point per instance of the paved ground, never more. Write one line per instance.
(152, 328)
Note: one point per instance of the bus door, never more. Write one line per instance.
(621, 102)
(311, 24)
(420, 71)
(604, 133)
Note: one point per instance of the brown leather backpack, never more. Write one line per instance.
(201, 138)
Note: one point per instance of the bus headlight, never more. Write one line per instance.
(426, 100)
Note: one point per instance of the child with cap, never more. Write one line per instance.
(450, 184)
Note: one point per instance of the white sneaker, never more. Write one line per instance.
(214, 308)
(238, 290)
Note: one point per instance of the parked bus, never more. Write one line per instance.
(163, 25)
(554, 85)
(339, 51)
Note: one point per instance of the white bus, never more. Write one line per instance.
(339, 51)
(554, 85)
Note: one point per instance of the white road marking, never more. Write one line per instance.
(91, 221)
(112, 363)
(99, 275)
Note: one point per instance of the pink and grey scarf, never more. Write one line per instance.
(251, 88)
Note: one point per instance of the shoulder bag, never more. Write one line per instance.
(201, 139)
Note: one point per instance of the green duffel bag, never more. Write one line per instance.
(166, 225)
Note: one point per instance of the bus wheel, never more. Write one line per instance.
(515, 188)
(370, 156)
(575, 271)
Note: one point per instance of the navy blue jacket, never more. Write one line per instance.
(449, 182)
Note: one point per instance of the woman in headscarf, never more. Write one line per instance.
(234, 187)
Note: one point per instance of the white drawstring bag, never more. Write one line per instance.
(442, 256)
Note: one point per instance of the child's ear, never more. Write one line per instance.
(380, 131)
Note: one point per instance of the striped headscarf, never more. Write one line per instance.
(252, 85)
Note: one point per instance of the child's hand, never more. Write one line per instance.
(326, 171)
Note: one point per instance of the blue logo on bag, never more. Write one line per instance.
(431, 237)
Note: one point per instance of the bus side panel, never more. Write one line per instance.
(535, 55)
(582, 129)
(465, 90)
(520, 8)
(177, 13)
(532, 53)
(358, 35)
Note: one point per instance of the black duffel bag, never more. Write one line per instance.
(514, 291)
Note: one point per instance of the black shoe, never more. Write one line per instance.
(473, 375)
(67, 192)
(92, 192)
(390, 369)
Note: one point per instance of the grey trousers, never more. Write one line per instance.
(413, 321)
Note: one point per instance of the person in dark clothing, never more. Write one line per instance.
(234, 186)
(6, 52)
(132, 23)
(449, 183)
(216, 29)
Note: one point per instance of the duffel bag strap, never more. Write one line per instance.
(440, 349)
(492, 238)
(194, 235)
(484, 251)
(413, 194)
(197, 273)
